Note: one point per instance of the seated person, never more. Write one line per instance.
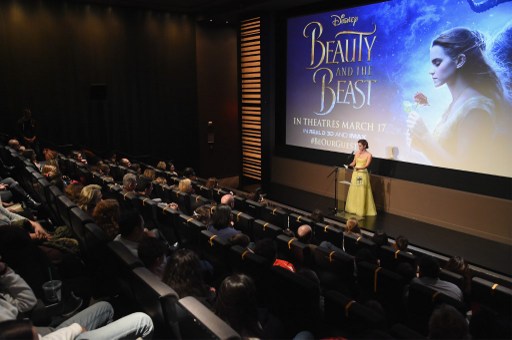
(129, 183)
(267, 249)
(94, 322)
(90, 195)
(429, 276)
(317, 216)
(228, 199)
(353, 227)
(401, 243)
(184, 274)
(153, 253)
(106, 214)
(222, 225)
(132, 231)
(237, 305)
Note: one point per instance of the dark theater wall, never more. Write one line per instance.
(106, 77)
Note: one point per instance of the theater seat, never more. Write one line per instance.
(354, 243)
(422, 301)
(199, 322)
(78, 220)
(215, 250)
(294, 251)
(276, 216)
(243, 222)
(390, 258)
(334, 269)
(64, 206)
(263, 229)
(328, 232)
(492, 295)
(157, 300)
(349, 317)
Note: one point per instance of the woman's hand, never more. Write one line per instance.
(39, 231)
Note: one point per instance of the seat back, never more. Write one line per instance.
(243, 222)
(215, 250)
(355, 243)
(262, 229)
(334, 269)
(52, 192)
(294, 299)
(78, 220)
(64, 206)
(157, 300)
(166, 220)
(253, 208)
(276, 216)
(391, 258)
(292, 250)
(350, 316)
(492, 295)
(328, 232)
(199, 322)
(188, 230)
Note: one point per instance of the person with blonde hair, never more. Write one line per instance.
(353, 227)
(185, 185)
(89, 197)
(149, 173)
(161, 165)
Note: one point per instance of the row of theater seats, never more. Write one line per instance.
(335, 269)
(118, 273)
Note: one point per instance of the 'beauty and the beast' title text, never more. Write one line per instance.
(347, 48)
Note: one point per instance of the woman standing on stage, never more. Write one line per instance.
(360, 197)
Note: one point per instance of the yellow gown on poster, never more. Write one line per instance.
(360, 197)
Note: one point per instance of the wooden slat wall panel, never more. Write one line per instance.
(250, 85)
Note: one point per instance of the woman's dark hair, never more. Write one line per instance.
(364, 142)
(221, 217)
(476, 71)
(237, 305)
(183, 274)
(16, 329)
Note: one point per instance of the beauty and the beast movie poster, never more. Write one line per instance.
(424, 81)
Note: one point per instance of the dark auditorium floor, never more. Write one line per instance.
(486, 254)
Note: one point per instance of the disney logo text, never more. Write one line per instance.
(341, 20)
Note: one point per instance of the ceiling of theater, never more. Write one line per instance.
(207, 7)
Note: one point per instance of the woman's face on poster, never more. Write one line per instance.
(443, 67)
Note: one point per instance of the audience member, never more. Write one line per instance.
(132, 231)
(172, 170)
(239, 239)
(94, 322)
(401, 243)
(153, 253)
(446, 322)
(73, 190)
(144, 186)
(457, 264)
(228, 199)
(183, 273)
(129, 182)
(125, 162)
(203, 214)
(222, 223)
(429, 276)
(267, 249)
(161, 166)
(149, 173)
(106, 214)
(189, 173)
(185, 185)
(90, 195)
(353, 227)
(212, 183)
(237, 305)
